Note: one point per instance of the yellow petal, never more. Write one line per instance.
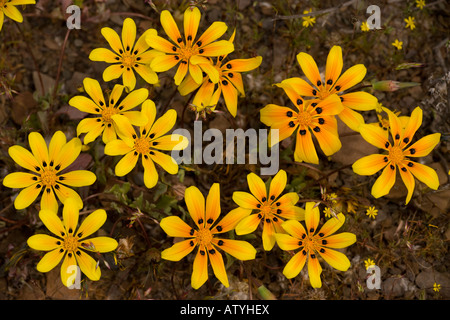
(64, 193)
(304, 148)
(175, 227)
(126, 164)
(188, 85)
(245, 200)
(314, 271)
(328, 140)
(71, 214)
(248, 224)
(27, 196)
(147, 74)
(230, 221)
(128, 34)
(298, 86)
(191, 22)
(50, 260)
(336, 259)
(309, 67)
(341, 240)
(330, 106)
(165, 161)
(218, 266)
(408, 180)
(351, 118)
(272, 113)
(241, 250)
(150, 173)
(24, 158)
(19, 180)
(38, 147)
(277, 184)
(171, 142)
(332, 225)
(43, 242)
(178, 251)
(68, 154)
(214, 32)
(287, 242)
(93, 128)
(134, 99)
(169, 26)
(163, 63)
(84, 104)
(200, 269)
(52, 222)
(312, 217)
(230, 96)
(142, 45)
(423, 146)
(164, 124)
(369, 165)
(350, 77)
(425, 174)
(88, 265)
(196, 73)
(374, 135)
(69, 271)
(361, 101)
(268, 236)
(195, 203)
(12, 12)
(384, 183)
(243, 65)
(213, 204)
(117, 147)
(295, 265)
(257, 187)
(103, 244)
(78, 178)
(334, 65)
(182, 70)
(113, 72)
(218, 48)
(103, 54)
(129, 79)
(92, 223)
(160, 43)
(48, 200)
(113, 39)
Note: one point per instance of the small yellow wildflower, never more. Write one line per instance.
(410, 23)
(398, 44)
(379, 108)
(420, 4)
(372, 212)
(308, 21)
(436, 287)
(365, 27)
(328, 213)
(368, 263)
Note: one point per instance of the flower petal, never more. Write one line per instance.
(150, 173)
(128, 34)
(341, 240)
(295, 265)
(103, 244)
(178, 251)
(248, 224)
(175, 227)
(164, 63)
(165, 161)
(171, 142)
(239, 249)
(38, 147)
(350, 77)
(423, 146)
(88, 265)
(195, 203)
(182, 70)
(126, 164)
(78, 178)
(200, 268)
(218, 48)
(408, 180)
(257, 187)
(191, 22)
(27, 196)
(384, 183)
(334, 65)
(71, 214)
(287, 242)
(309, 67)
(113, 39)
(129, 79)
(214, 32)
(164, 124)
(314, 271)
(245, 200)
(361, 101)
(277, 184)
(304, 148)
(312, 217)
(50, 260)
(374, 135)
(230, 95)
(93, 89)
(160, 43)
(113, 72)
(268, 236)
(64, 193)
(147, 73)
(24, 158)
(243, 65)
(48, 201)
(425, 174)
(273, 113)
(336, 259)
(351, 118)
(52, 222)
(297, 86)
(169, 26)
(92, 223)
(68, 154)
(212, 210)
(103, 54)
(328, 139)
(69, 271)
(43, 242)
(19, 180)
(12, 12)
(93, 128)
(332, 225)
(231, 219)
(218, 266)
(414, 122)
(369, 165)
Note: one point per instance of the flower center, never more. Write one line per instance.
(187, 52)
(107, 113)
(396, 155)
(323, 94)
(70, 243)
(142, 145)
(128, 59)
(266, 209)
(204, 237)
(48, 178)
(304, 118)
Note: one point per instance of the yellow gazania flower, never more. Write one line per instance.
(47, 165)
(229, 82)
(398, 155)
(148, 143)
(183, 52)
(313, 116)
(271, 209)
(365, 26)
(333, 83)
(127, 56)
(314, 243)
(204, 236)
(308, 21)
(368, 263)
(372, 212)
(420, 4)
(397, 44)
(436, 287)
(70, 243)
(410, 23)
(107, 110)
(7, 8)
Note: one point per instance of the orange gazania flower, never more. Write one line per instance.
(270, 208)
(399, 152)
(229, 84)
(186, 51)
(334, 83)
(314, 242)
(313, 116)
(204, 236)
